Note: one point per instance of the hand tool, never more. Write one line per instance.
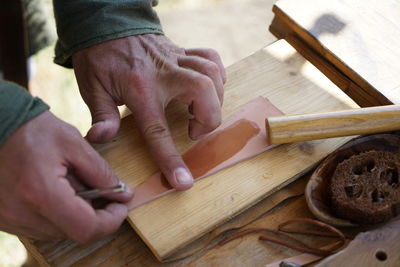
(96, 193)
(296, 128)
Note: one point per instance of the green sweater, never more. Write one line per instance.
(80, 24)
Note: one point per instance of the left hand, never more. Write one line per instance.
(42, 165)
(146, 72)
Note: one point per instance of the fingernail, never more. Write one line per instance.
(182, 176)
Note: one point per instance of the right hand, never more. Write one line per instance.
(147, 72)
(42, 164)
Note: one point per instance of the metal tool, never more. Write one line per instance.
(96, 193)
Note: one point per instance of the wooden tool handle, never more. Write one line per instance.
(287, 129)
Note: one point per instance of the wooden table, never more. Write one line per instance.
(287, 69)
(355, 44)
(274, 69)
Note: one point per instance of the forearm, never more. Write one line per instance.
(17, 106)
(83, 23)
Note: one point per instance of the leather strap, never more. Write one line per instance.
(292, 242)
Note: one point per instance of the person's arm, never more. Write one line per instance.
(122, 58)
(83, 23)
(43, 161)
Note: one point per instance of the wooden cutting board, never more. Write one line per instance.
(169, 223)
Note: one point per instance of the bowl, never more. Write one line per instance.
(316, 192)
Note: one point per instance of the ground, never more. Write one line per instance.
(235, 28)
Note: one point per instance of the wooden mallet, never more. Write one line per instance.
(296, 128)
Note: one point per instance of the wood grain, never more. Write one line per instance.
(173, 221)
(125, 248)
(304, 127)
(361, 39)
(238, 138)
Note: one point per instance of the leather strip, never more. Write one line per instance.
(300, 246)
(238, 138)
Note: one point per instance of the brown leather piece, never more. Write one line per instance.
(238, 138)
(219, 147)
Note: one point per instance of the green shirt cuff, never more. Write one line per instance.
(83, 23)
(17, 106)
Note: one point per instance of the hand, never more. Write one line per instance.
(41, 166)
(146, 72)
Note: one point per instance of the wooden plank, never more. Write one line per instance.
(379, 247)
(173, 221)
(125, 248)
(360, 38)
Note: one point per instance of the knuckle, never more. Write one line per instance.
(211, 54)
(156, 130)
(211, 67)
(135, 77)
(180, 51)
(203, 81)
(138, 81)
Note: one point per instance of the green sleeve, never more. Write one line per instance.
(17, 106)
(83, 23)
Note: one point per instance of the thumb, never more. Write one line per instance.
(105, 118)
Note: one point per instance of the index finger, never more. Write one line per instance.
(91, 169)
(155, 131)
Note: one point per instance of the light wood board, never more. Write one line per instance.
(125, 248)
(360, 38)
(289, 82)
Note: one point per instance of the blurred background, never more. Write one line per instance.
(235, 28)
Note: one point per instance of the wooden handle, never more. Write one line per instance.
(287, 129)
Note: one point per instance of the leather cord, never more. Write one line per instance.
(294, 243)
